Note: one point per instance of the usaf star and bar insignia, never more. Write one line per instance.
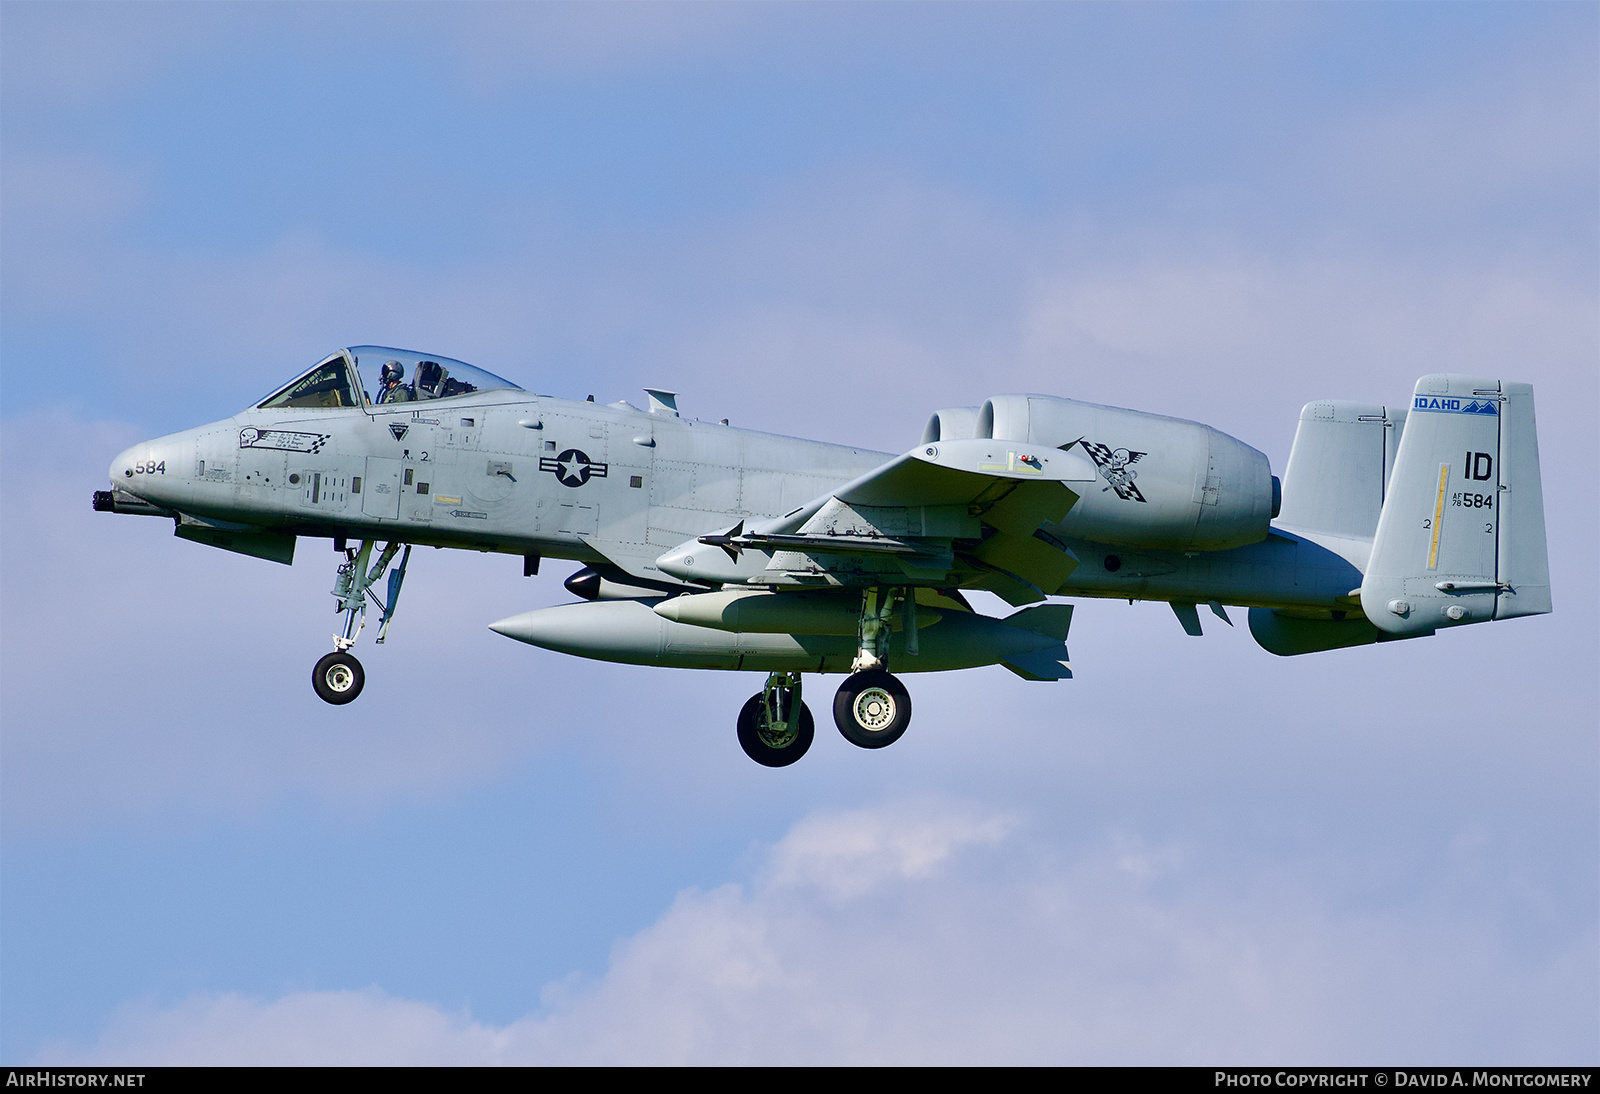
(573, 468)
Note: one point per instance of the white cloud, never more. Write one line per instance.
(848, 854)
(938, 931)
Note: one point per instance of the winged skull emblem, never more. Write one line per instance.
(1116, 467)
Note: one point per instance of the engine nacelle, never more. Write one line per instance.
(958, 423)
(1165, 482)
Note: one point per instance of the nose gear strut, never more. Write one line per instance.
(338, 677)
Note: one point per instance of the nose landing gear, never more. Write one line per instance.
(338, 677)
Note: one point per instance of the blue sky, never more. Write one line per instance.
(828, 220)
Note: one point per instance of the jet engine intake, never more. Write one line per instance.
(955, 424)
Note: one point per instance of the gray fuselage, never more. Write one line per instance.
(609, 486)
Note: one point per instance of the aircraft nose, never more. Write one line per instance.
(121, 471)
(153, 470)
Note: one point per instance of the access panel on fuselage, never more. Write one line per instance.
(380, 488)
(573, 474)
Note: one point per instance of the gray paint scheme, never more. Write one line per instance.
(1028, 496)
(1461, 538)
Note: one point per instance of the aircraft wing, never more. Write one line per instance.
(958, 513)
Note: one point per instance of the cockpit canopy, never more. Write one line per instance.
(365, 376)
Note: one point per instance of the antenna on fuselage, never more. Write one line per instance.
(662, 402)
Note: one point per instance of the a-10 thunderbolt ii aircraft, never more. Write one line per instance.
(713, 547)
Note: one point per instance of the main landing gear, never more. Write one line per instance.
(872, 708)
(339, 677)
(775, 726)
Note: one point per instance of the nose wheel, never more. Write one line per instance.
(872, 709)
(338, 678)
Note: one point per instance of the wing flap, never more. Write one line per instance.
(1041, 564)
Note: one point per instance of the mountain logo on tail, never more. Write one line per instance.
(1445, 404)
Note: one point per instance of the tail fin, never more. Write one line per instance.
(1339, 468)
(1461, 535)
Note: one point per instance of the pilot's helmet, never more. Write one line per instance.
(392, 371)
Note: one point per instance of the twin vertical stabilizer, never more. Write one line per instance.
(1461, 535)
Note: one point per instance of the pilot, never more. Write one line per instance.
(391, 390)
